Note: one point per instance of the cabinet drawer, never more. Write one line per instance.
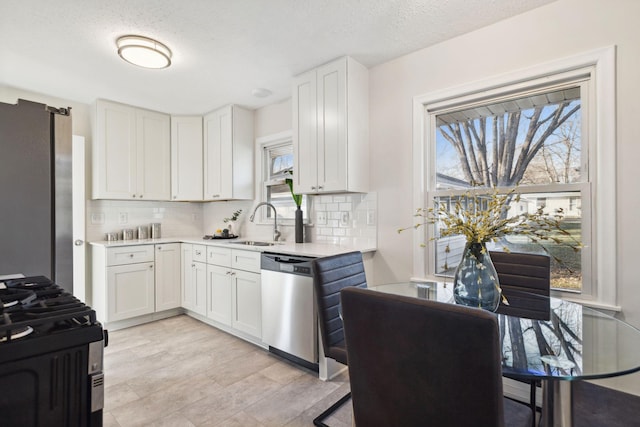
(219, 256)
(199, 253)
(245, 260)
(130, 255)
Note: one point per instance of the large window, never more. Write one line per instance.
(549, 132)
(534, 140)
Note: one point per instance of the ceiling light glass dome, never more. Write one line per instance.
(143, 51)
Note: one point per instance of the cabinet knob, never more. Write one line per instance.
(130, 255)
(175, 197)
(313, 188)
(134, 196)
(193, 266)
(151, 266)
(159, 248)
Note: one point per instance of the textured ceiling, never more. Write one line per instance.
(222, 49)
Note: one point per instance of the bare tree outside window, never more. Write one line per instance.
(526, 141)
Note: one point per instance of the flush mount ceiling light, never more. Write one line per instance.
(260, 92)
(143, 51)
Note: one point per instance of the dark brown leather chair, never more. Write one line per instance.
(415, 362)
(331, 275)
(523, 276)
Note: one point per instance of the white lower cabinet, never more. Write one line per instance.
(130, 291)
(194, 278)
(233, 290)
(167, 259)
(219, 286)
(137, 280)
(246, 301)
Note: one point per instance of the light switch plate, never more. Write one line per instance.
(97, 218)
(123, 218)
(344, 218)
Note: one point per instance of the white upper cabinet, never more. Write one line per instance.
(228, 154)
(186, 158)
(131, 156)
(330, 128)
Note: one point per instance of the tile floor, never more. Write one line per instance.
(181, 372)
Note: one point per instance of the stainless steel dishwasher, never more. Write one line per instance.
(289, 321)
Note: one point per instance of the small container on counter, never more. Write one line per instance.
(155, 230)
(143, 232)
(127, 234)
(111, 237)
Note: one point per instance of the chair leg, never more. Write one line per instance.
(532, 402)
(331, 409)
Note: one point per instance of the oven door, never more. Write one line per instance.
(46, 390)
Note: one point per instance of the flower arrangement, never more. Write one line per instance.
(482, 218)
(234, 216)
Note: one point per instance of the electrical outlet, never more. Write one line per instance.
(321, 218)
(123, 218)
(97, 218)
(371, 217)
(344, 219)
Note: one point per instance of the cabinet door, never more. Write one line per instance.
(305, 137)
(247, 303)
(218, 154)
(219, 294)
(114, 155)
(332, 126)
(130, 291)
(188, 281)
(200, 288)
(186, 158)
(153, 144)
(167, 265)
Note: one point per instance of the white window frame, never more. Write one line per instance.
(264, 143)
(602, 290)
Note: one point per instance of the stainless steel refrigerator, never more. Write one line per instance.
(35, 191)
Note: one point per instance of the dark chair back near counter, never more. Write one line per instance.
(331, 275)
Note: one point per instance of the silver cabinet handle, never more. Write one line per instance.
(130, 255)
(159, 248)
(79, 242)
(151, 266)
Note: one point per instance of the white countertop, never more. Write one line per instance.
(288, 248)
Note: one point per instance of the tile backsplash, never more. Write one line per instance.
(345, 219)
(177, 218)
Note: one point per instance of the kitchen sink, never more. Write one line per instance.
(254, 243)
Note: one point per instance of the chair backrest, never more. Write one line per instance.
(521, 275)
(330, 275)
(415, 362)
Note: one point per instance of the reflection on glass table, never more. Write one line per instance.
(552, 340)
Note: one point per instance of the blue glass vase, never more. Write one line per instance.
(475, 281)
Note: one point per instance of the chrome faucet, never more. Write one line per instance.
(276, 233)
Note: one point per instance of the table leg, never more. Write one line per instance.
(557, 404)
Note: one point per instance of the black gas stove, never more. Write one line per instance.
(51, 351)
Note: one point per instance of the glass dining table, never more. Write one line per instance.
(551, 340)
